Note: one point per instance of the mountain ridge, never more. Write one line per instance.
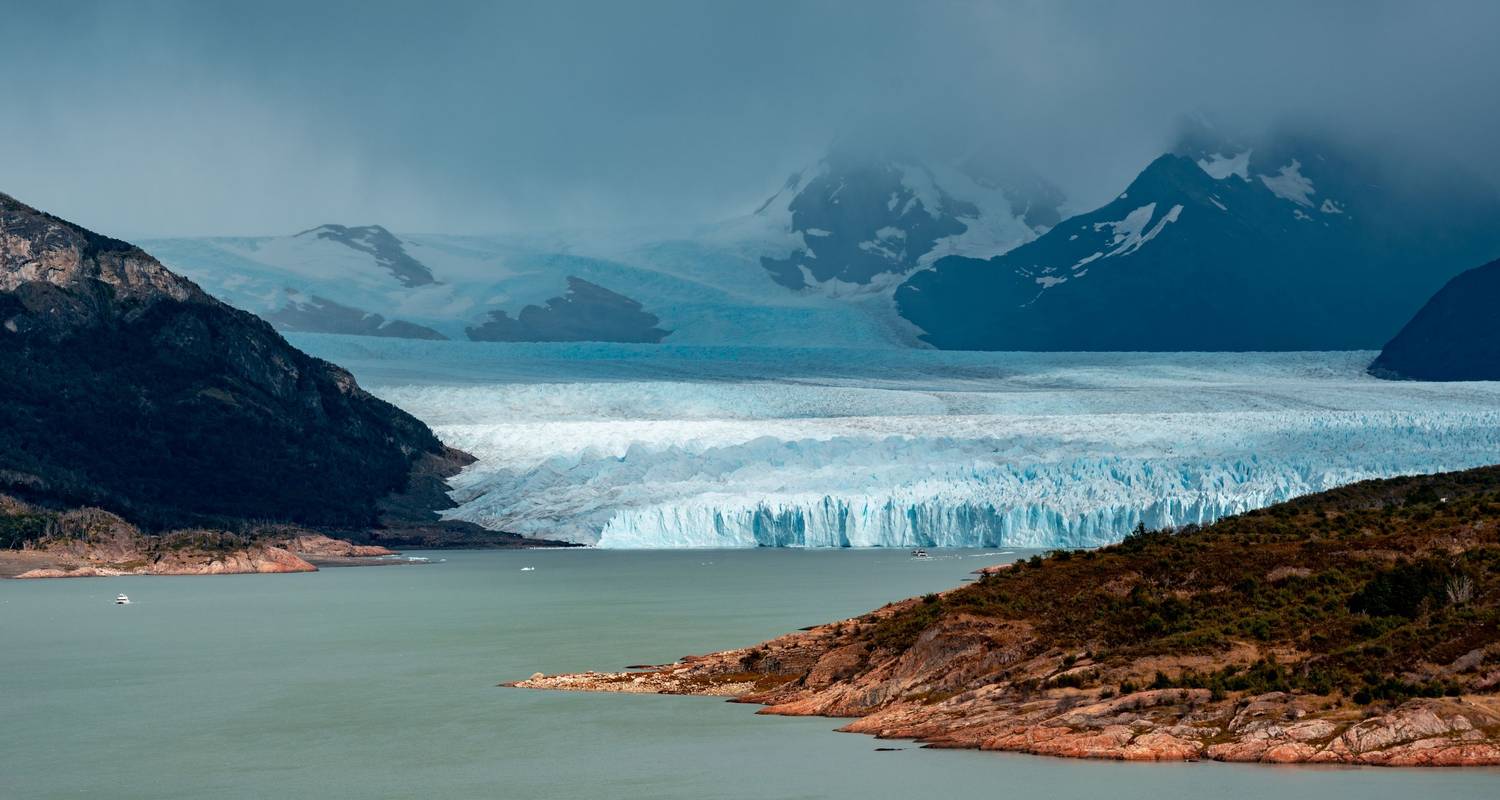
(1455, 336)
(1289, 246)
(130, 388)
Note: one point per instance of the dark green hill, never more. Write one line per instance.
(125, 386)
(1455, 337)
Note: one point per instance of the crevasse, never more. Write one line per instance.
(904, 491)
(636, 448)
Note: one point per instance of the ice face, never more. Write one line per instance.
(732, 447)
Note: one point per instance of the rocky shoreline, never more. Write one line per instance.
(1355, 626)
(808, 673)
(91, 543)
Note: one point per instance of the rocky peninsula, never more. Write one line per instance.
(92, 542)
(1357, 626)
(151, 429)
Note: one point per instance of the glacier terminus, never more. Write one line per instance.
(632, 446)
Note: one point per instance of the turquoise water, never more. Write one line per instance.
(380, 683)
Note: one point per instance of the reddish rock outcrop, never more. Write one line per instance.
(90, 542)
(927, 692)
(1355, 626)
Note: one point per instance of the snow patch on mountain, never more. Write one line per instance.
(1120, 238)
(1130, 234)
(867, 221)
(1290, 184)
(1220, 166)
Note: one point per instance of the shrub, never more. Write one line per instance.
(1402, 590)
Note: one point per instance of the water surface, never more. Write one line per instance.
(380, 683)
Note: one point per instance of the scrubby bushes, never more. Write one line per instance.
(17, 530)
(1403, 590)
(1363, 584)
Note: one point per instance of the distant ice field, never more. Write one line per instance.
(659, 446)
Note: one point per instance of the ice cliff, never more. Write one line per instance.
(636, 447)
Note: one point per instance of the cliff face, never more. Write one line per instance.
(1359, 626)
(1454, 337)
(125, 386)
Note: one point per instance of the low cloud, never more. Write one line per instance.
(176, 118)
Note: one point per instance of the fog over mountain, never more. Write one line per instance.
(181, 118)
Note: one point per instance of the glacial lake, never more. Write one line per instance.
(380, 682)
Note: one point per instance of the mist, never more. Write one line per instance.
(180, 118)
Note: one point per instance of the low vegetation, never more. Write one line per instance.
(27, 526)
(1378, 591)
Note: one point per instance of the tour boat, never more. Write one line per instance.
(122, 600)
(919, 553)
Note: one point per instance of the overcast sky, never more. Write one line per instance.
(187, 118)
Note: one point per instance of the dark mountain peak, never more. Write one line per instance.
(317, 314)
(45, 253)
(125, 386)
(868, 215)
(861, 216)
(94, 244)
(1169, 175)
(586, 312)
(383, 245)
(1454, 337)
(1293, 243)
(1199, 137)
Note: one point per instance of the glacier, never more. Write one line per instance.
(636, 446)
(707, 287)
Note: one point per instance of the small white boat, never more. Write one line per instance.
(122, 600)
(528, 569)
(919, 553)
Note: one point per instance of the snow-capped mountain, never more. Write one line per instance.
(336, 279)
(698, 287)
(815, 262)
(125, 387)
(1292, 245)
(864, 221)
